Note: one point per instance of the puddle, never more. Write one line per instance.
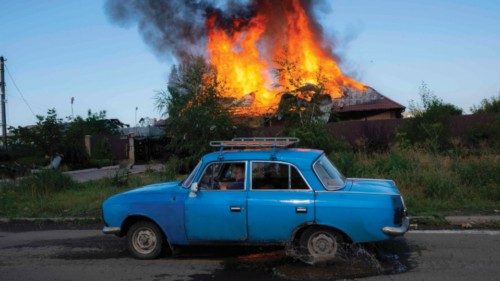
(355, 261)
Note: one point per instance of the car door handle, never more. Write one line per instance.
(301, 210)
(235, 208)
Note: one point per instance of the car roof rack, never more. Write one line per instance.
(255, 143)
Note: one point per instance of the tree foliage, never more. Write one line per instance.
(95, 123)
(46, 135)
(491, 105)
(303, 105)
(428, 127)
(50, 135)
(194, 109)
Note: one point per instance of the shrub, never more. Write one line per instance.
(477, 173)
(485, 135)
(172, 168)
(46, 135)
(75, 155)
(430, 182)
(50, 136)
(45, 182)
(491, 105)
(99, 163)
(316, 136)
(438, 186)
(428, 128)
(491, 191)
(395, 162)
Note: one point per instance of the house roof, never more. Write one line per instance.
(371, 100)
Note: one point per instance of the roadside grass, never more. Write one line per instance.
(432, 183)
(53, 194)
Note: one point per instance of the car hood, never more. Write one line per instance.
(145, 191)
(372, 186)
(155, 188)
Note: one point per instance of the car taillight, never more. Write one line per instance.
(399, 209)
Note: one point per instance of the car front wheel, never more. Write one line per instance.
(145, 240)
(320, 244)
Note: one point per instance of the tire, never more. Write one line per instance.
(320, 244)
(145, 240)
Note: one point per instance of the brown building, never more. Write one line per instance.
(368, 105)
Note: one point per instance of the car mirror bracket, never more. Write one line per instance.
(193, 189)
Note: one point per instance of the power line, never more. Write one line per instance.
(19, 91)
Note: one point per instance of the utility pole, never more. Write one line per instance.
(135, 120)
(2, 92)
(72, 101)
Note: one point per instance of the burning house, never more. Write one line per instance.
(367, 105)
(262, 50)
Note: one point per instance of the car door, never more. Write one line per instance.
(215, 214)
(279, 200)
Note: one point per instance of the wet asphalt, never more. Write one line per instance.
(83, 253)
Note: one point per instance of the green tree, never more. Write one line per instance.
(50, 135)
(75, 153)
(491, 105)
(46, 135)
(429, 125)
(93, 124)
(194, 110)
(302, 105)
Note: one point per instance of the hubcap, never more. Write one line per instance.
(144, 240)
(322, 245)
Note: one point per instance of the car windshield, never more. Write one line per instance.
(187, 182)
(330, 177)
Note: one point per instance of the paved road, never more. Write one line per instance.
(108, 172)
(89, 255)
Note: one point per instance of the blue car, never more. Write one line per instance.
(258, 191)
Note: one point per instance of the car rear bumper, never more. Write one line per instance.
(111, 230)
(397, 231)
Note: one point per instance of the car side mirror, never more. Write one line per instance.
(194, 189)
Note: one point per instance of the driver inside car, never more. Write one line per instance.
(239, 179)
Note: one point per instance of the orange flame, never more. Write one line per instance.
(246, 55)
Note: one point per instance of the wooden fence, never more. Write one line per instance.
(382, 133)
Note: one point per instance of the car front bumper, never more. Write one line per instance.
(397, 231)
(111, 230)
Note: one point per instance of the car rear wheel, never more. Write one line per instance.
(320, 244)
(145, 240)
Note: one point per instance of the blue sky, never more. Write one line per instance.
(60, 49)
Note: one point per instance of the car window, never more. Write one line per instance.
(279, 176)
(329, 176)
(187, 182)
(223, 176)
(297, 182)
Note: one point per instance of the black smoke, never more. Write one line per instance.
(175, 27)
(178, 27)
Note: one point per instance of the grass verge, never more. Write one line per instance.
(53, 194)
(432, 185)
